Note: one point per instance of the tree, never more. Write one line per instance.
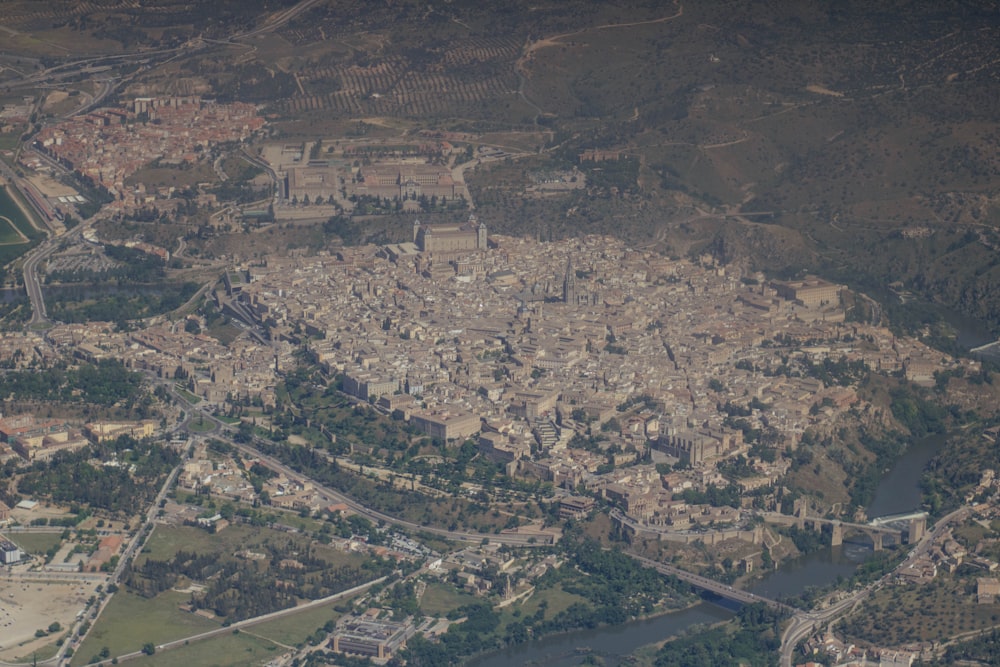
(148, 648)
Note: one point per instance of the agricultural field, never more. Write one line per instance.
(944, 608)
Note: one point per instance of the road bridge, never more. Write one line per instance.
(893, 518)
(713, 586)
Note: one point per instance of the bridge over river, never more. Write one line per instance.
(876, 529)
(716, 587)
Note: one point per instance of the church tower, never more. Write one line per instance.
(481, 236)
(569, 284)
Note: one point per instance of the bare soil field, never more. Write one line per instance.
(28, 606)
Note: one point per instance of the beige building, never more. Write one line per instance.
(471, 235)
(320, 180)
(405, 181)
(811, 292)
(368, 386)
(105, 431)
(446, 425)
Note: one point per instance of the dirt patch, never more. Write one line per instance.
(29, 606)
(822, 90)
(50, 187)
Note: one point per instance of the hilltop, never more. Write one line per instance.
(858, 141)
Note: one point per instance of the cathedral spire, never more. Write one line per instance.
(569, 284)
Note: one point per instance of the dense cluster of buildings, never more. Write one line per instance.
(546, 342)
(574, 362)
(109, 145)
(33, 439)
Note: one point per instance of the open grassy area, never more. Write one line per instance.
(168, 540)
(224, 333)
(9, 140)
(12, 245)
(188, 396)
(557, 599)
(8, 233)
(201, 425)
(178, 176)
(129, 621)
(36, 543)
(292, 630)
(243, 648)
(44, 653)
(440, 598)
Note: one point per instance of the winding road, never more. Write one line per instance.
(804, 624)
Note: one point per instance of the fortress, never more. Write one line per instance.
(470, 235)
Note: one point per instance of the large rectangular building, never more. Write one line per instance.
(364, 636)
(811, 291)
(446, 425)
(367, 386)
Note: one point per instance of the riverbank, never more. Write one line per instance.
(612, 643)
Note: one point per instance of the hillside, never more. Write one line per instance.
(858, 140)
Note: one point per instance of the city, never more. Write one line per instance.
(439, 335)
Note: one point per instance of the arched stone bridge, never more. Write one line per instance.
(876, 530)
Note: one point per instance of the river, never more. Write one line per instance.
(612, 644)
(897, 493)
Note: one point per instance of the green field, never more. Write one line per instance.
(10, 210)
(440, 598)
(558, 600)
(8, 232)
(12, 245)
(231, 649)
(187, 395)
(292, 630)
(37, 543)
(168, 540)
(129, 621)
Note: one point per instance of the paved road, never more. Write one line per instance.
(233, 627)
(804, 624)
(720, 589)
(33, 285)
(225, 432)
